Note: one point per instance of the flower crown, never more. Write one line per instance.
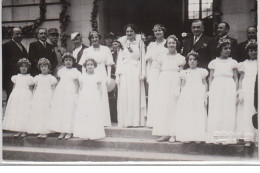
(159, 26)
(173, 37)
(223, 41)
(193, 53)
(252, 42)
(24, 61)
(67, 54)
(44, 61)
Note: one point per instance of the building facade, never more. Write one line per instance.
(111, 15)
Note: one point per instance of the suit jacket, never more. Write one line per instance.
(37, 51)
(77, 65)
(234, 47)
(242, 55)
(11, 54)
(205, 46)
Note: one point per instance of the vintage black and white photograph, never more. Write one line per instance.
(129, 81)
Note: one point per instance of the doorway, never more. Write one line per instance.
(145, 14)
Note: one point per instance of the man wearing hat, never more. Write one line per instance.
(41, 49)
(78, 48)
(53, 36)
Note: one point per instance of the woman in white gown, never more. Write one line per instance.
(103, 56)
(154, 50)
(168, 91)
(246, 109)
(130, 72)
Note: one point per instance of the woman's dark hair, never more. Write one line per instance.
(92, 60)
(68, 55)
(132, 26)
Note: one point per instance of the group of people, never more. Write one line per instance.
(201, 89)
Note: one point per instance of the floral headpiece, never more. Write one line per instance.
(44, 61)
(159, 26)
(23, 61)
(223, 41)
(196, 54)
(251, 43)
(68, 54)
(173, 37)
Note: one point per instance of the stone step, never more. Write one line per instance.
(133, 144)
(140, 133)
(67, 155)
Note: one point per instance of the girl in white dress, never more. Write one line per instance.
(19, 102)
(192, 105)
(63, 105)
(130, 73)
(103, 56)
(41, 102)
(223, 84)
(169, 83)
(88, 118)
(246, 109)
(154, 50)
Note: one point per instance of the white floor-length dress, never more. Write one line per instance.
(245, 111)
(19, 104)
(88, 122)
(164, 123)
(191, 111)
(103, 57)
(63, 104)
(131, 103)
(222, 102)
(154, 50)
(41, 104)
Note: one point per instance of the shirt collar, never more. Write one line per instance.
(198, 36)
(43, 43)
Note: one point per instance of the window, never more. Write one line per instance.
(200, 9)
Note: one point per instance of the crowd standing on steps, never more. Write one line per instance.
(200, 89)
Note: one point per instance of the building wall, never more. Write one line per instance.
(29, 13)
(239, 16)
(235, 12)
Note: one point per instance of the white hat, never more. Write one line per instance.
(74, 35)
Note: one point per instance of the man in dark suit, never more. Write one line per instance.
(41, 49)
(78, 49)
(251, 33)
(201, 43)
(222, 32)
(13, 50)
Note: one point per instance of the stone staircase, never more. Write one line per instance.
(121, 144)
